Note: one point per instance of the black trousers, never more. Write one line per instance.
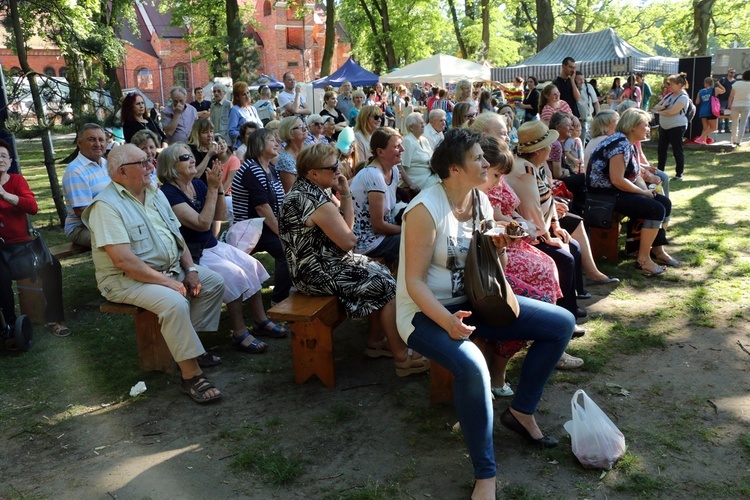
(672, 137)
(569, 268)
(271, 244)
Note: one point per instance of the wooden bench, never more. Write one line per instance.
(442, 380)
(67, 250)
(152, 348)
(605, 242)
(313, 320)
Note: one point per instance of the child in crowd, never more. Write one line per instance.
(573, 148)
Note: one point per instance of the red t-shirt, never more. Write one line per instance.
(13, 218)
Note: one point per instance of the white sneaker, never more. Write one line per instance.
(503, 392)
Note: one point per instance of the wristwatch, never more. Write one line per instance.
(191, 269)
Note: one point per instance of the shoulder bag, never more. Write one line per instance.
(598, 210)
(25, 258)
(489, 293)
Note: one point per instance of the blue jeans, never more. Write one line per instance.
(549, 326)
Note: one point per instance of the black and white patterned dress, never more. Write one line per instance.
(320, 267)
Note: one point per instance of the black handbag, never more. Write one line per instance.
(25, 258)
(598, 210)
(489, 293)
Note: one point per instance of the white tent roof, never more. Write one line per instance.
(439, 68)
(601, 53)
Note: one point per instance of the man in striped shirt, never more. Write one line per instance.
(85, 177)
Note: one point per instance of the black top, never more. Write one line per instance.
(129, 129)
(175, 196)
(201, 106)
(337, 118)
(532, 99)
(566, 93)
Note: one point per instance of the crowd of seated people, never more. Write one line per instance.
(329, 197)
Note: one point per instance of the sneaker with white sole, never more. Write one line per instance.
(503, 392)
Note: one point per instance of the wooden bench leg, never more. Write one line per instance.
(152, 348)
(441, 384)
(605, 242)
(312, 350)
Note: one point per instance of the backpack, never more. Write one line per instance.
(689, 110)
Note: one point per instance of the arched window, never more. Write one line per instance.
(63, 72)
(144, 79)
(267, 8)
(50, 71)
(181, 76)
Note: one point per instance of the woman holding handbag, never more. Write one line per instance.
(16, 202)
(435, 318)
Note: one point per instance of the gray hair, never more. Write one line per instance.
(220, 86)
(311, 119)
(438, 113)
(558, 118)
(90, 126)
(412, 119)
(140, 138)
(117, 156)
(166, 162)
(178, 89)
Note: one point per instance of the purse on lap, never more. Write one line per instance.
(489, 293)
(25, 258)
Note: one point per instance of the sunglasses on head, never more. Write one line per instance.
(185, 157)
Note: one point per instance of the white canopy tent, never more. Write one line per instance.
(440, 68)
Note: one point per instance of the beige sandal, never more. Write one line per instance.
(379, 349)
(410, 366)
(568, 362)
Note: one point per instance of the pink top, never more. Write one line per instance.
(232, 165)
(548, 110)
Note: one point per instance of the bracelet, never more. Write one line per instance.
(346, 196)
(191, 269)
(221, 193)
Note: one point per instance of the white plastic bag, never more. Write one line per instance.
(596, 441)
(245, 234)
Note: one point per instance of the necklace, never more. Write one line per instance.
(453, 206)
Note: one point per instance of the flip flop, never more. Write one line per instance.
(57, 329)
(254, 347)
(197, 386)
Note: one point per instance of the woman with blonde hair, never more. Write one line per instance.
(294, 134)
(330, 99)
(202, 145)
(463, 92)
(464, 114)
(358, 100)
(368, 120)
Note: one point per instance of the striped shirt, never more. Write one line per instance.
(253, 187)
(82, 181)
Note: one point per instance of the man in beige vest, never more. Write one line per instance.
(141, 259)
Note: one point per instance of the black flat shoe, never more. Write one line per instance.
(581, 313)
(509, 421)
(583, 295)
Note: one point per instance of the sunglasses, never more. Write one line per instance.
(185, 157)
(472, 115)
(333, 168)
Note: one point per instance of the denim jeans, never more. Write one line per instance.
(549, 326)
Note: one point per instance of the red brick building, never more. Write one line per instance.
(287, 43)
(157, 58)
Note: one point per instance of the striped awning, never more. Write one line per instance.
(602, 53)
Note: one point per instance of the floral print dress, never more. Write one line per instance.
(320, 267)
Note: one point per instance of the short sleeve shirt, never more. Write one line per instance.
(286, 163)
(369, 180)
(82, 181)
(184, 124)
(598, 169)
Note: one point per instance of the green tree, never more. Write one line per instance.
(330, 43)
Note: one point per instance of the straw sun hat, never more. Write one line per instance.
(533, 136)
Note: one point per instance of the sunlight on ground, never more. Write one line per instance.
(119, 475)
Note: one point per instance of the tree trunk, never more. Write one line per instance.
(485, 30)
(49, 158)
(234, 39)
(390, 54)
(78, 81)
(381, 56)
(702, 11)
(325, 65)
(457, 29)
(545, 24)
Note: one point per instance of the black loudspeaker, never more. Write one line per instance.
(696, 68)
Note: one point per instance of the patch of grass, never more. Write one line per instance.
(519, 492)
(275, 466)
(370, 491)
(700, 308)
(744, 442)
(639, 483)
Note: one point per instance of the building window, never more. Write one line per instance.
(292, 64)
(295, 38)
(50, 71)
(144, 79)
(181, 76)
(63, 72)
(267, 8)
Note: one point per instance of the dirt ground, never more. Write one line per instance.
(687, 406)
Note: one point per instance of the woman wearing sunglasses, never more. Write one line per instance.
(197, 205)
(292, 132)
(318, 238)
(368, 120)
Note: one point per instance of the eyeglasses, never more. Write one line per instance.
(299, 127)
(333, 168)
(185, 157)
(318, 123)
(471, 115)
(145, 163)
